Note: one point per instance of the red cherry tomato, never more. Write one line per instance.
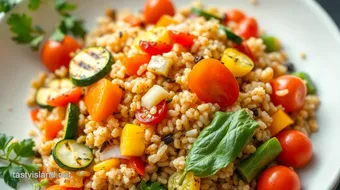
(138, 164)
(296, 95)
(278, 178)
(144, 116)
(185, 39)
(155, 9)
(235, 15)
(244, 48)
(154, 48)
(247, 28)
(296, 149)
(55, 54)
(73, 95)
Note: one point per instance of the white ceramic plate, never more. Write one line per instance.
(301, 25)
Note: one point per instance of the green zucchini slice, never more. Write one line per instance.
(72, 156)
(231, 35)
(72, 118)
(204, 14)
(90, 65)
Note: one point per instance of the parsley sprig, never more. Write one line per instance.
(14, 156)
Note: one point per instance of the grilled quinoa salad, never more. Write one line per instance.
(186, 99)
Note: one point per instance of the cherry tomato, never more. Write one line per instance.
(247, 28)
(34, 115)
(244, 48)
(144, 116)
(296, 95)
(138, 164)
(235, 15)
(155, 9)
(185, 39)
(278, 178)
(154, 48)
(73, 95)
(212, 82)
(55, 54)
(296, 148)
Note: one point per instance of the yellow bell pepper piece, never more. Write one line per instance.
(166, 20)
(280, 121)
(107, 165)
(132, 142)
(238, 63)
(190, 182)
(157, 34)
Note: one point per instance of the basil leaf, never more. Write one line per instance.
(151, 186)
(220, 143)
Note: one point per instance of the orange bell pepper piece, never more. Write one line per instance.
(133, 63)
(34, 115)
(281, 120)
(52, 127)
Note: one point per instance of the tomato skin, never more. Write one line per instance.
(296, 95)
(279, 178)
(235, 15)
(138, 164)
(185, 39)
(297, 149)
(73, 95)
(155, 9)
(247, 28)
(55, 54)
(212, 82)
(154, 48)
(244, 48)
(143, 115)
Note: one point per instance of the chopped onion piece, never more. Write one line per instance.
(111, 152)
(154, 96)
(159, 65)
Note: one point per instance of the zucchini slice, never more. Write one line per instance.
(72, 156)
(231, 35)
(72, 118)
(90, 65)
(204, 14)
(51, 89)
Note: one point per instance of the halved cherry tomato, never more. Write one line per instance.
(52, 127)
(138, 164)
(34, 114)
(212, 82)
(132, 20)
(296, 95)
(155, 9)
(247, 28)
(154, 48)
(55, 54)
(235, 15)
(296, 148)
(185, 39)
(133, 63)
(244, 48)
(73, 95)
(279, 178)
(144, 116)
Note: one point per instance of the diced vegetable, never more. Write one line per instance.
(244, 48)
(297, 149)
(219, 143)
(212, 82)
(235, 15)
(238, 63)
(154, 96)
(52, 128)
(137, 164)
(264, 155)
(111, 152)
(154, 48)
(190, 182)
(280, 121)
(71, 156)
(90, 65)
(288, 91)
(133, 63)
(63, 98)
(166, 20)
(185, 39)
(58, 187)
(107, 165)
(272, 43)
(72, 118)
(279, 178)
(160, 65)
(132, 20)
(247, 28)
(231, 36)
(155, 9)
(132, 142)
(102, 99)
(151, 186)
(34, 115)
(144, 116)
(71, 180)
(205, 14)
(156, 35)
(311, 87)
